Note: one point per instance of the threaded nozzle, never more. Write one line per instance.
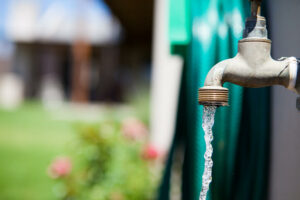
(213, 96)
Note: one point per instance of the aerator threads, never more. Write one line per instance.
(213, 96)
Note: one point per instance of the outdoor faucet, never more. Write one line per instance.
(253, 65)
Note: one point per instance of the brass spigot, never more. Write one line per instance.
(213, 96)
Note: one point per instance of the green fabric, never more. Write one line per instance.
(209, 34)
(201, 57)
(212, 40)
(252, 162)
(227, 119)
(179, 25)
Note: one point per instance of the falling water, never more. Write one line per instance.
(207, 124)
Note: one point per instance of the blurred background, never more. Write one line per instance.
(98, 101)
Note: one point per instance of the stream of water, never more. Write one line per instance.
(207, 124)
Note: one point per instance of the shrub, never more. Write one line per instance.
(111, 161)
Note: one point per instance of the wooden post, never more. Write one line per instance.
(81, 52)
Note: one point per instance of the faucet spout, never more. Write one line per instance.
(252, 67)
(215, 76)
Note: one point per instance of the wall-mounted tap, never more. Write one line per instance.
(253, 65)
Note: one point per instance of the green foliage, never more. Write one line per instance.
(109, 166)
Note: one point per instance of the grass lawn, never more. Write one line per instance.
(29, 139)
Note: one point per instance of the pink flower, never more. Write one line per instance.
(134, 129)
(150, 152)
(60, 167)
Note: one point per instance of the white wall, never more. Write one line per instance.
(165, 83)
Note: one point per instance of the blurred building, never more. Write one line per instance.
(75, 49)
